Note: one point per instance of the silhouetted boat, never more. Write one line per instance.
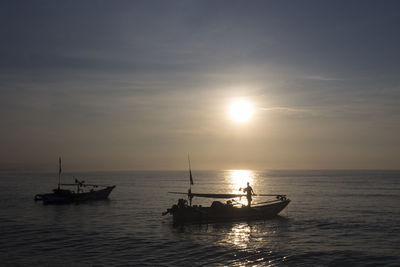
(218, 211)
(65, 196)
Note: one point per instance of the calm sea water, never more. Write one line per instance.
(336, 218)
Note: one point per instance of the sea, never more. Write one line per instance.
(335, 218)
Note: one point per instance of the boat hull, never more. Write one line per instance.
(66, 197)
(227, 213)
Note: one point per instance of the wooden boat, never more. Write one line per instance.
(218, 211)
(66, 196)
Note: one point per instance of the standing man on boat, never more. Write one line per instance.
(249, 192)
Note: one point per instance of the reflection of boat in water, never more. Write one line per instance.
(218, 211)
(65, 196)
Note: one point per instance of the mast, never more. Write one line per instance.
(59, 172)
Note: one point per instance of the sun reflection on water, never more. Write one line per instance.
(255, 238)
(239, 236)
(239, 179)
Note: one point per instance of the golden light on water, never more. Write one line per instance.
(239, 179)
(240, 235)
(241, 111)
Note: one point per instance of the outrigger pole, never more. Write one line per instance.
(212, 195)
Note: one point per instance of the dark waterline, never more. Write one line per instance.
(335, 218)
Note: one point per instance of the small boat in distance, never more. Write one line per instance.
(66, 196)
(218, 211)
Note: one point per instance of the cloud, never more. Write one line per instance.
(285, 109)
(322, 78)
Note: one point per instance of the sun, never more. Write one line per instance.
(241, 111)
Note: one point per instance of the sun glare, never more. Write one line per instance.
(239, 179)
(241, 111)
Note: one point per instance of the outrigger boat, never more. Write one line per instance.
(65, 196)
(218, 211)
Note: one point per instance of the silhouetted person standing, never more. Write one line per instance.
(249, 192)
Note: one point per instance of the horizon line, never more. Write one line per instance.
(194, 170)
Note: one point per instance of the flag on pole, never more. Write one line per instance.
(59, 163)
(190, 171)
(191, 177)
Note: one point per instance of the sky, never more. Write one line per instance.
(137, 85)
